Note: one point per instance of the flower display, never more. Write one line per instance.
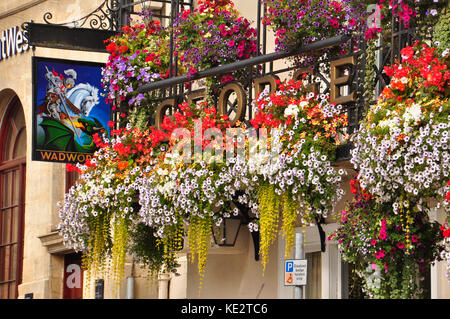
(307, 129)
(213, 35)
(192, 188)
(97, 212)
(401, 153)
(408, 13)
(149, 191)
(445, 253)
(298, 23)
(138, 55)
(402, 145)
(390, 250)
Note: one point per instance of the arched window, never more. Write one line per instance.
(13, 146)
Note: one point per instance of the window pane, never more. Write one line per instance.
(13, 271)
(6, 263)
(12, 290)
(4, 291)
(6, 226)
(15, 221)
(20, 148)
(16, 176)
(7, 180)
(8, 146)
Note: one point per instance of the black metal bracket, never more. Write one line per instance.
(246, 219)
(320, 221)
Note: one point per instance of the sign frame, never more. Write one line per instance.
(293, 278)
(102, 113)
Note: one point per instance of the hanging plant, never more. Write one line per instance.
(138, 55)
(298, 23)
(192, 188)
(214, 35)
(401, 148)
(98, 211)
(392, 251)
(416, 15)
(299, 180)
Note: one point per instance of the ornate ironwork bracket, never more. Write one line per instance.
(105, 17)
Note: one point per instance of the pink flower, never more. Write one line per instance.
(400, 245)
(231, 43)
(414, 238)
(373, 242)
(380, 254)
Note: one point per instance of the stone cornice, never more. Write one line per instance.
(54, 243)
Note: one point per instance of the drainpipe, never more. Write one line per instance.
(163, 287)
(130, 283)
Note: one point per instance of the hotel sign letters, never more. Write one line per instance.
(12, 42)
(338, 79)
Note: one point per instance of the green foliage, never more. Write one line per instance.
(442, 29)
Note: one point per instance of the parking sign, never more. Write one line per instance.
(295, 272)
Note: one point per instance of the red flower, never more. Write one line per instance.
(122, 165)
(407, 53)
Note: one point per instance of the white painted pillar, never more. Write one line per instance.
(163, 286)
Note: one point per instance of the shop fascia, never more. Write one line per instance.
(12, 42)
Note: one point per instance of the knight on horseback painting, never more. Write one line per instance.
(69, 108)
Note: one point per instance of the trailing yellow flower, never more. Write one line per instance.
(119, 249)
(269, 204)
(289, 214)
(199, 239)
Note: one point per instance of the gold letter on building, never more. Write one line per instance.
(337, 81)
(241, 101)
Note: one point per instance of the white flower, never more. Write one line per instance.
(291, 110)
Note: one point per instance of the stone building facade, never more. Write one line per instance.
(34, 263)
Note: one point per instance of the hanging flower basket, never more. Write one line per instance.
(189, 190)
(392, 252)
(139, 55)
(297, 23)
(401, 153)
(401, 148)
(214, 35)
(98, 212)
(297, 179)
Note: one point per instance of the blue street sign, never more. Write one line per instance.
(289, 266)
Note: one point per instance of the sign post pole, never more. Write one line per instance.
(299, 254)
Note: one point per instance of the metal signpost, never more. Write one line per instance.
(295, 271)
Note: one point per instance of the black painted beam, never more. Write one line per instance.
(243, 64)
(61, 37)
